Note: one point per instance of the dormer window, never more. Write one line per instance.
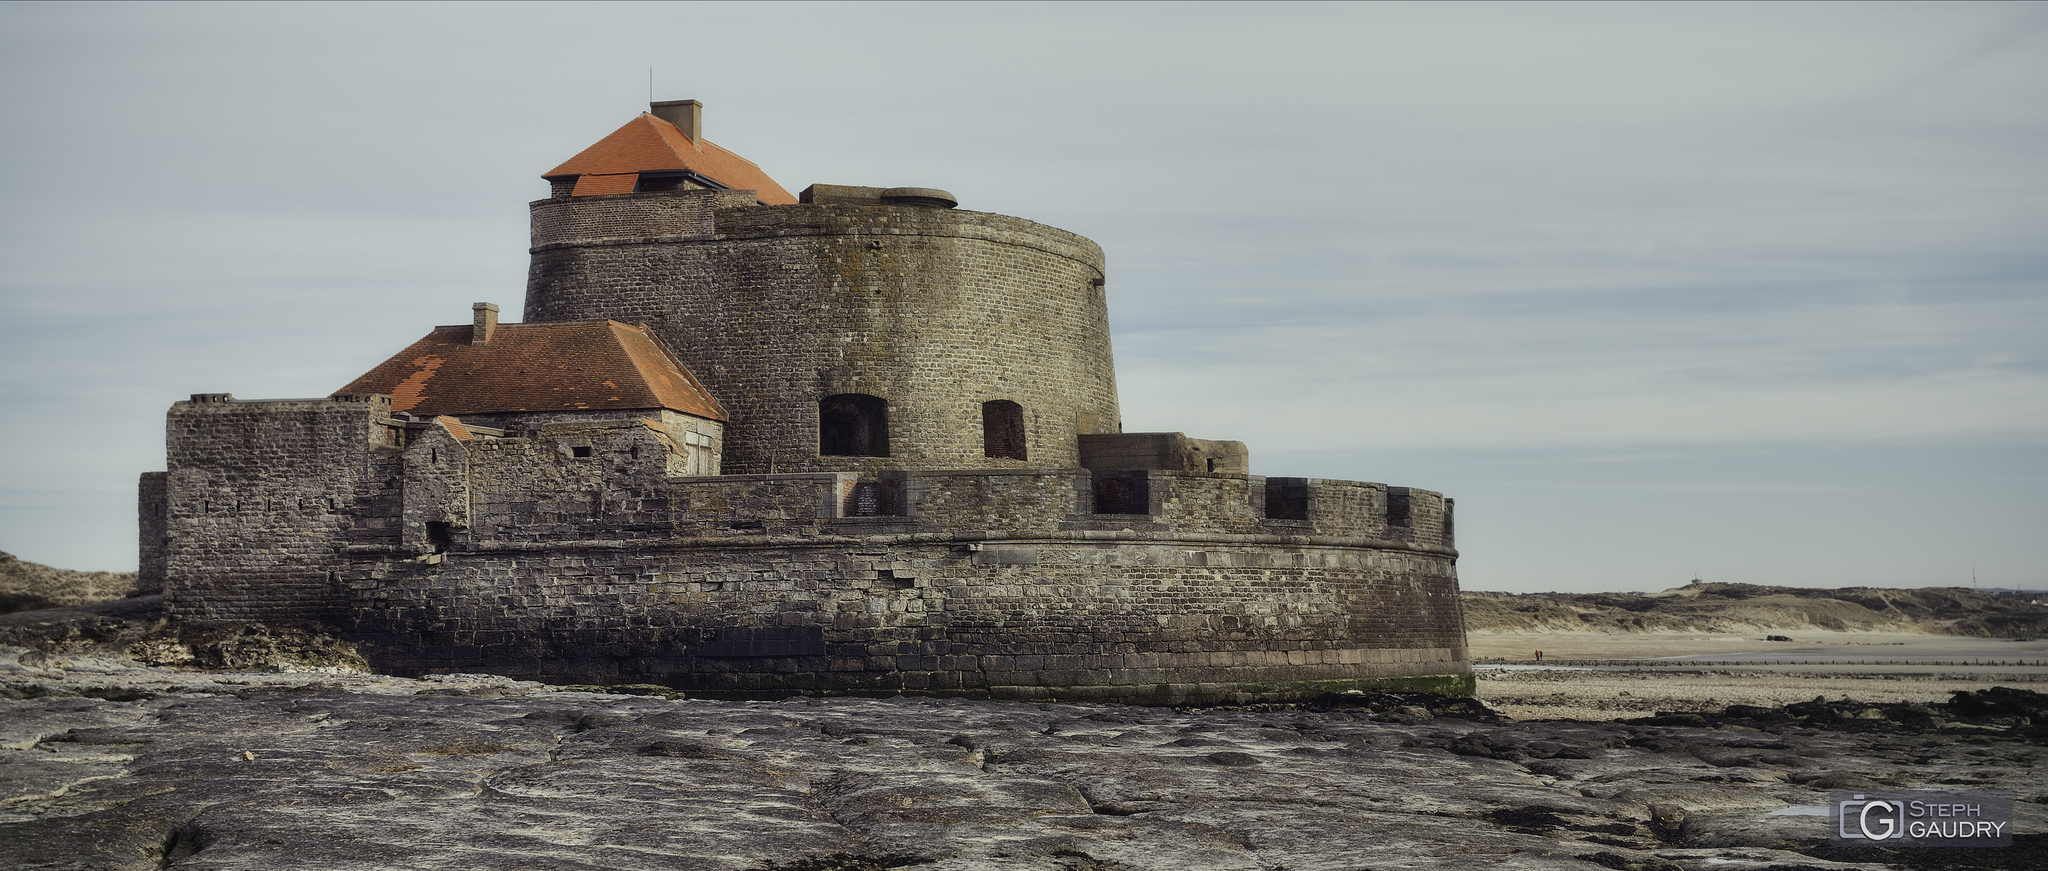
(651, 182)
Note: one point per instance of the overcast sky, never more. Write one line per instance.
(1744, 292)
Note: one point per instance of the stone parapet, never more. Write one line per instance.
(576, 553)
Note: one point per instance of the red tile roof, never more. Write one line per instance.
(455, 428)
(605, 183)
(568, 366)
(649, 144)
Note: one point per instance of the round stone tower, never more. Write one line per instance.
(858, 329)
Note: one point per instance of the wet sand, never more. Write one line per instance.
(1603, 676)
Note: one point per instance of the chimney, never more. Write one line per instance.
(485, 324)
(685, 114)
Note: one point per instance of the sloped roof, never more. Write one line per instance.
(565, 366)
(649, 144)
(455, 429)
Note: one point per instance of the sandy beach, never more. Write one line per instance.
(1605, 676)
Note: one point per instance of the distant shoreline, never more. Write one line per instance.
(1616, 675)
(1749, 609)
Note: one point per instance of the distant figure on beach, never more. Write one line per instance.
(1539, 656)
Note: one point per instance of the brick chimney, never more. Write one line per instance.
(485, 324)
(688, 115)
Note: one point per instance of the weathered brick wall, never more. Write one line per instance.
(434, 489)
(934, 310)
(1219, 503)
(631, 216)
(260, 496)
(1348, 505)
(1163, 450)
(974, 501)
(702, 441)
(577, 554)
(604, 567)
(152, 526)
(1073, 618)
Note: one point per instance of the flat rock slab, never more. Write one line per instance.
(279, 771)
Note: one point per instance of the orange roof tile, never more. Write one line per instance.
(605, 183)
(568, 366)
(649, 144)
(455, 428)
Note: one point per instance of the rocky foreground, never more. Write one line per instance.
(105, 764)
(127, 745)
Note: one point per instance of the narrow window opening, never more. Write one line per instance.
(1002, 429)
(438, 536)
(853, 425)
(1122, 492)
(581, 452)
(1398, 507)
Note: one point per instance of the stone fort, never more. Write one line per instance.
(748, 443)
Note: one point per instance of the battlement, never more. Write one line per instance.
(378, 524)
(616, 480)
(706, 216)
(462, 487)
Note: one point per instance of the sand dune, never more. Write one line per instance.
(1744, 609)
(25, 585)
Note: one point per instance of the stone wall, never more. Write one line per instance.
(700, 443)
(619, 217)
(577, 553)
(935, 311)
(1163, 450)
(606, 568)
(1112, 617)
(261, 496)
(152, 526)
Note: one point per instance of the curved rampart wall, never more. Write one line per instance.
(776, 307)
(1108, 618)
(602, 569)
(576, 554)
